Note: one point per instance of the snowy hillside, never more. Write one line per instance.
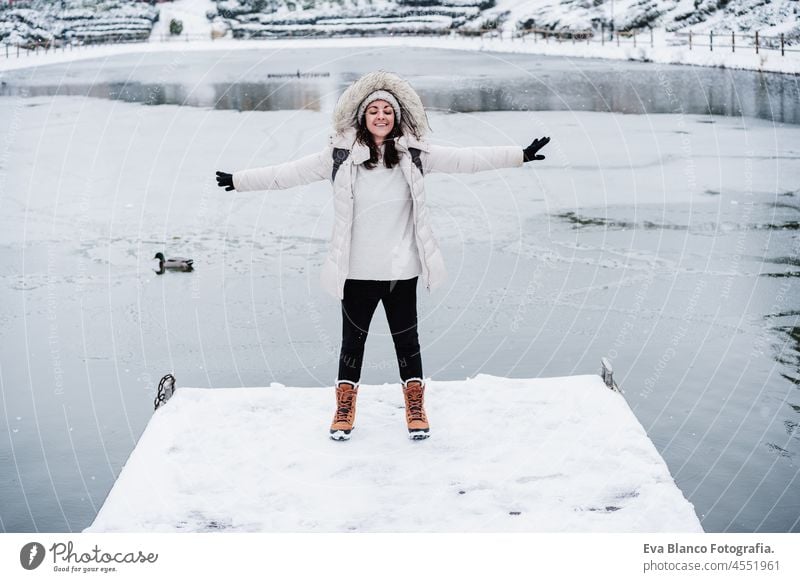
(32, 21)
(254, 18)
(191, 14)
(768, 16)
(76, 21)
(277, 18)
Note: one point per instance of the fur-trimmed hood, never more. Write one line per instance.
(413, 120)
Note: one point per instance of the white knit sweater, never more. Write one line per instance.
(383, 246)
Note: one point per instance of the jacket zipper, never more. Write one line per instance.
(420, 248)
(352, 169)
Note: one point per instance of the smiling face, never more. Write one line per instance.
(379, 118)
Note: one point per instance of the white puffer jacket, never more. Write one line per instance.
(319, 166)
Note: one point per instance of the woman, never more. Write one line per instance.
(382, 240)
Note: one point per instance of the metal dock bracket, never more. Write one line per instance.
(166, 388)
(607, 373)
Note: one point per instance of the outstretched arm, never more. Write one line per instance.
(472, 159)
(477, 159)
(305, 170)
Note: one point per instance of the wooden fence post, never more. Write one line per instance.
(711, 41)
(651, 38)
(634, 39)
(603, 34)
(782, 53)
(756, 42)
(617, 37)
(690, 40)
(733, 42)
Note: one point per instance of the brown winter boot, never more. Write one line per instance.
(346, 393)
(414, 392)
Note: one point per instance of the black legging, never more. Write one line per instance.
(400, 304)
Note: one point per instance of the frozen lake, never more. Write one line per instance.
(659, 233)
(452, 81)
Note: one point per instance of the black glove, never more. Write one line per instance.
(529, 153)
(224, 180)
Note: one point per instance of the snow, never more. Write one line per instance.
(192, 13)
(75, 22)
(93, 187)
(649, 166)
(506, 455)
(325, 18)
(768, 17)
(743, 58)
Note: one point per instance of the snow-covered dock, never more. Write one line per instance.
(506, 455)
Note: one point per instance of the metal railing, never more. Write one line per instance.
(643, 37)
(58, 45)
(731, 41)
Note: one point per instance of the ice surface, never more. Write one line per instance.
(135, 176)
(637, 231)
(544, 455)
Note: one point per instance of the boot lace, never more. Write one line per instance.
(344, 405)
(414, 398)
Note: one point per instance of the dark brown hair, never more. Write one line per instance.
(390, 155)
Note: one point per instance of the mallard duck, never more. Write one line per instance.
(174, 264)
